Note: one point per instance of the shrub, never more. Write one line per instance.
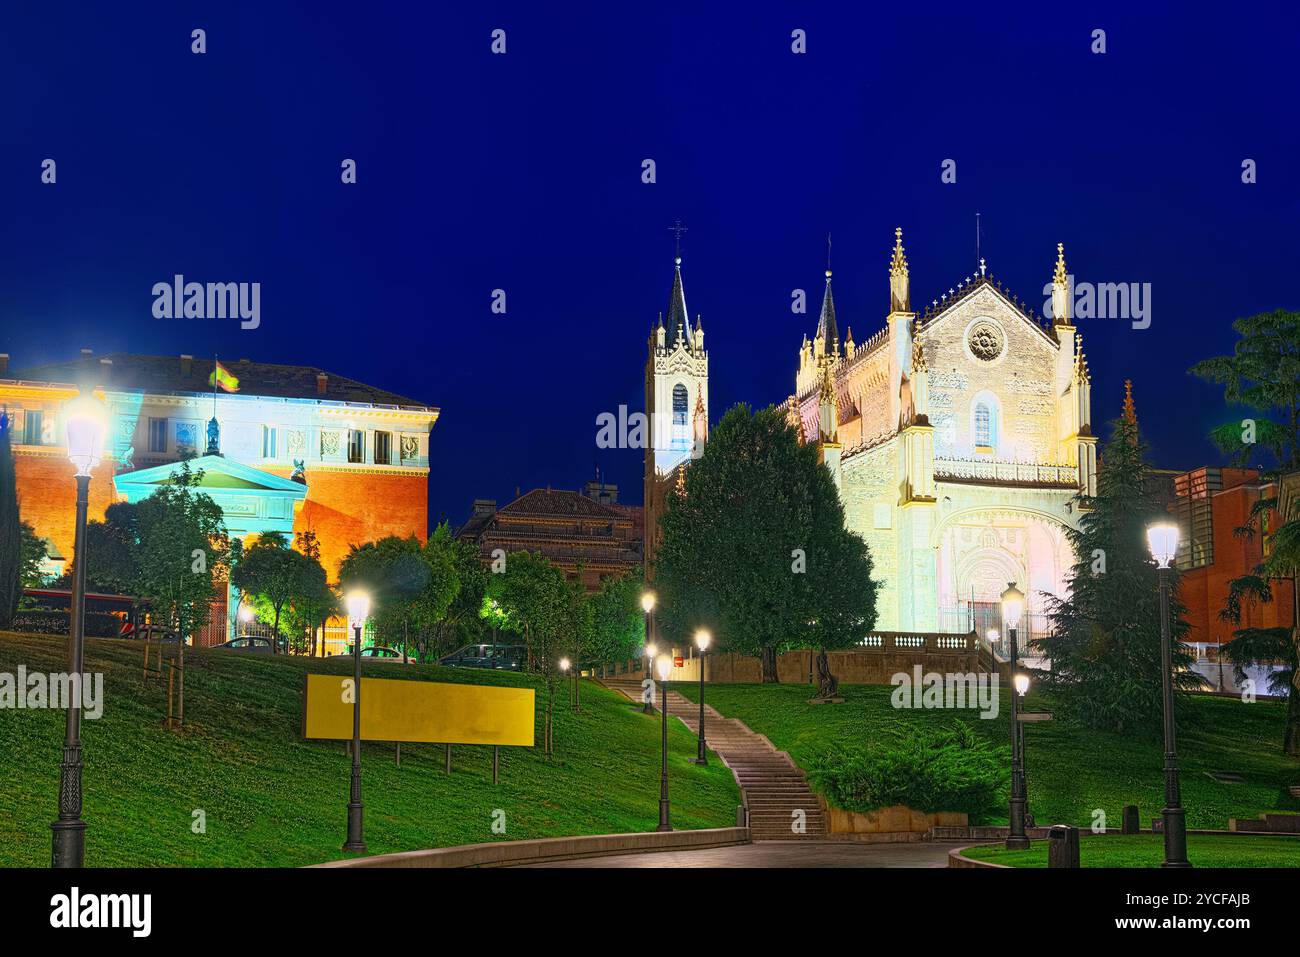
(933, 769)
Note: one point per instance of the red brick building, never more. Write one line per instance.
(585, 534)
(1210, 504)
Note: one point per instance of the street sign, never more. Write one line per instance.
(678, 662)
(1034, 716)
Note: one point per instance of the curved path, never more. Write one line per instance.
(808, 853)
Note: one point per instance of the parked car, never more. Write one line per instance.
(253, 643)
(502, 657)
(379, 653)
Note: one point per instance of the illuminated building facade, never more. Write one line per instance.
(295, 449)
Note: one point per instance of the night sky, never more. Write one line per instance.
(523, 172)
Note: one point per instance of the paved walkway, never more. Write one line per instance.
(781, 854)
(774, 787)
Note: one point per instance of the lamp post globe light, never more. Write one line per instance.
(1162, 539)
(85, 424)
(564, 670)
(993, 635)
(702, 641)
(664, 666)
(1013, 603)
(358, 604)
(648, 605)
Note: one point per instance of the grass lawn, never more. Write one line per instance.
(273, 799)
(1070, 771)
(1148, 850)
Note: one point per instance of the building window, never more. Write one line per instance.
(356, 445)
(984, 423)
(32, 427)
(983, 427)
(157, 435)
(680, 402)
(268, 442)
(383, 448)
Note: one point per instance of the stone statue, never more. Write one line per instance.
(827, 684)
(299, 472)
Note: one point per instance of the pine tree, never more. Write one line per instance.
(11, 536)
(1105, 640)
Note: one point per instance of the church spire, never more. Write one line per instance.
(679, 323)
(826, 328)
(900, 297)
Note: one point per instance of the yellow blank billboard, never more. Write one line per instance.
(419, 711)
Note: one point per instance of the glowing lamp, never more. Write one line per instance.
(992, 635)
(648, 601)
(664, 666)
(651, 651)
(1162, 539)
(245, 614)
(564, 664)
(1022, 684)
(702, 639)
(84, 428)
(358, 603)
(1013, 603)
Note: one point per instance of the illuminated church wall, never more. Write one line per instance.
(966, 439)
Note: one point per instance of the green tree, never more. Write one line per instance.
(1262, 374)
(11, 536)
(618, 621)
(756, 548)
(532, 598)
(410, 586)
(462, 623)
(34, 553)
(1105, 641)
(1264, 646)
(272, 572)
(112, 552)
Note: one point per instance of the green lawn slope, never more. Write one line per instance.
(1148, 850)
(1071, 772)
(271, 798)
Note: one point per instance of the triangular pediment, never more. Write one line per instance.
(982, 296)
(219, 474)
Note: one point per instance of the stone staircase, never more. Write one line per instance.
(773, 786)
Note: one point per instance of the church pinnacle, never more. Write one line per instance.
(1130, 410)
(827, 330)
(1061, 289)
(900, 297)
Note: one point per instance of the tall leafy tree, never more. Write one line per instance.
(272, 572)
(1105, 641)
(1263, 375)
(618, 621)
(756, 548)
(462, 623)
(1256, 646)
(532, 599)
(410, 586)
(11, 537)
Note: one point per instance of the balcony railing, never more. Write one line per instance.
(1005, 473)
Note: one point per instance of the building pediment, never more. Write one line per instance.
(981, 297)
(252, 501)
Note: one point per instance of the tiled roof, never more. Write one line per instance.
(559, 502)
(160, 375)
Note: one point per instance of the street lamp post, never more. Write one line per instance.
(358, 603)
(1163, 542)
(85, 437)
(648, 604)
(1013, 603)
(664, 665)
(992, 635)
(564, 670)
(702, 640)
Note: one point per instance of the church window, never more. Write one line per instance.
(680, 401)
(983, 429)
(383, 448)
(356, 445)
(984, 423)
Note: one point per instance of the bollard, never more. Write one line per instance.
(1131, 823)
(742, 816)
(1063, 846)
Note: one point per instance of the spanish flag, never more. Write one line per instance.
(221, 377)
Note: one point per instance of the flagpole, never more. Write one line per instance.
(215, 365)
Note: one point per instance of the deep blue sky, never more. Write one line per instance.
(522, 172)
